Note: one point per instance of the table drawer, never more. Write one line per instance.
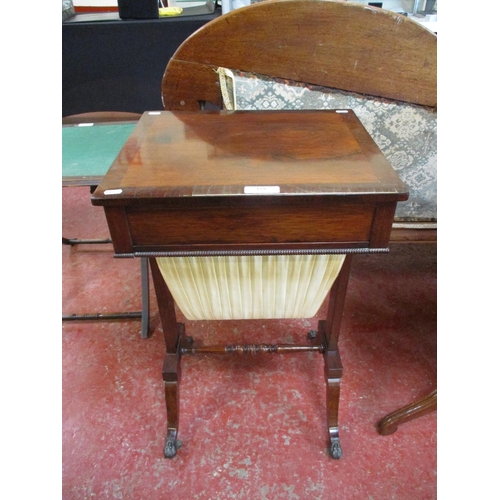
(259, 225)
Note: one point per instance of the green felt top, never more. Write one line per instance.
(90, 150)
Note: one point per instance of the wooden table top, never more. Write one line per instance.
(245, 153)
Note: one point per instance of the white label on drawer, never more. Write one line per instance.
(85, 125)
(261, 189)
(113, 191)
(341, 111)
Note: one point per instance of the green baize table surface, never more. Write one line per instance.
(89, 150)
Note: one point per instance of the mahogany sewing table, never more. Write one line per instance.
(239, 183)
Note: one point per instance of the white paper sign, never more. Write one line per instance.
(262, 189)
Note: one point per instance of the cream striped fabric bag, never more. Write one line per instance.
(250, 287)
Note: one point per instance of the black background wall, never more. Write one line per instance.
(117, 65)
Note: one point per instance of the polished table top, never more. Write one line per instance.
(265, 180)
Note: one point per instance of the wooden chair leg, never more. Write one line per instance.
(145, 298)
(173, 332)
(166, 308)
(333, 373)
(389, 424)
(171, 381)
(333, 366)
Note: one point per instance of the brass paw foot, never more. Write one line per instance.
(171, 447)
(335, 449)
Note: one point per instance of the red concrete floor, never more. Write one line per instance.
(252, 428)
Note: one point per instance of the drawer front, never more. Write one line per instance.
(260, 225)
